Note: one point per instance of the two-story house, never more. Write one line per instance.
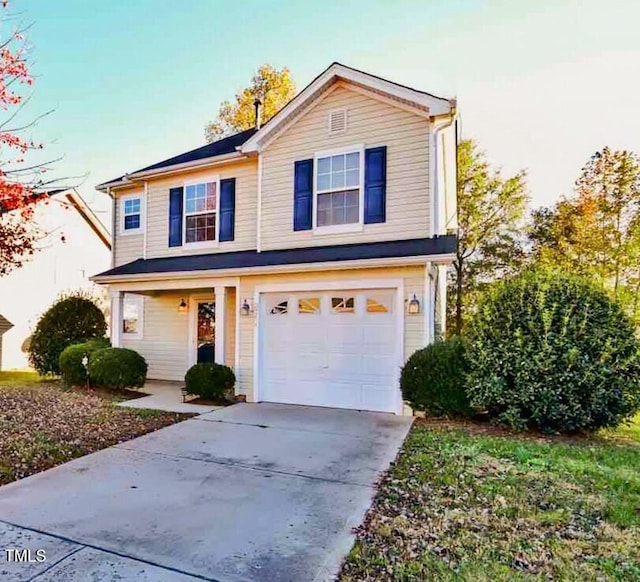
(308, 254)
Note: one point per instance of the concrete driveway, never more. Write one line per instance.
(261, 492)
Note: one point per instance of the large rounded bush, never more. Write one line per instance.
(212, 381)
(552, 352)
(72, 369)
(70, 320)
(117, 368)
(433, 379)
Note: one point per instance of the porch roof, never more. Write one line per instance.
(438, 245)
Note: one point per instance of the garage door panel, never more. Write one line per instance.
(333, 349)
(376, 399)
(379, 365)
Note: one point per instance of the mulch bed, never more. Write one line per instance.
(43, 425)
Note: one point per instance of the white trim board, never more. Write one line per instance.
(203, 278)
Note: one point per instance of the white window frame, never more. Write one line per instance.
(208, 243)
(139, 299)
(131, 231)
(338, 228)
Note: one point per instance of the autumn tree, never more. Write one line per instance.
(275, 88)
(21, 183)
(491, 213)
(596, 232)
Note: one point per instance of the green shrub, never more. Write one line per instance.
(210, 381)
(433, 379)
(71, 320)
(552, 352)
(72, 369)
(117, 368)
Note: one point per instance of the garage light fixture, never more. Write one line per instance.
(414, 305)
(246, 308)
(182, 308)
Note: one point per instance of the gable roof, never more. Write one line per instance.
(89, 216)
(5, 325)
(335, 72)
(251, 140)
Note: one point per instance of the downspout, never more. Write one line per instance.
(436, 190)
(259, 217)
(144, 234)
(434, 283)
(113, 227)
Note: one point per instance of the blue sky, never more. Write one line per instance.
(541, 84)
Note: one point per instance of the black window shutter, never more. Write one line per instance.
(375, 185)
(175, 217)
(227, 209)
(303, 195)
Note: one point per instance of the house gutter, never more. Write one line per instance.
(138, 176)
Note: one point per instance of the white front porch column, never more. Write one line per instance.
(117, 300)
(442, 293)
(428, 306)
(221, 304)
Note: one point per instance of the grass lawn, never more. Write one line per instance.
(470, 502)
(43, 425)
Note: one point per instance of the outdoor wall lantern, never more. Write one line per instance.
(182, 308)
(414, 305)
(246, 307)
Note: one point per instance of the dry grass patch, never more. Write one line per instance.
(466, 502)
(43, 425)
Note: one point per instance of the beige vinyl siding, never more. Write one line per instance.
(413, 278)
(369, 122)
(230, 328)
(164, 343)
(246, 175)
(127, 247)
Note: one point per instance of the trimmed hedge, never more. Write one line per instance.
(72, 369)
(211, 381)
(553, 352)
(70, 320)
(433, 379)
(117, 368)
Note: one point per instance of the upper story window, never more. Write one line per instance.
(131, 222)
(200, 208)
(339, 187)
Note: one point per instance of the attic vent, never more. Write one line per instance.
(337, 121)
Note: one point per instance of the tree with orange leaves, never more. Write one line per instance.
(596, 232)
(22, 186)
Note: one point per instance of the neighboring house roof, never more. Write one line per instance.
(247, 259)
(250, 140)
(5, 325)
(78, 203)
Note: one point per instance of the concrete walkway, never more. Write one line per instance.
(166, 396)
(252, 492)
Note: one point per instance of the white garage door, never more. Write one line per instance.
(330, 348)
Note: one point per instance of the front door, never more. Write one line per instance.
(204, 330)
